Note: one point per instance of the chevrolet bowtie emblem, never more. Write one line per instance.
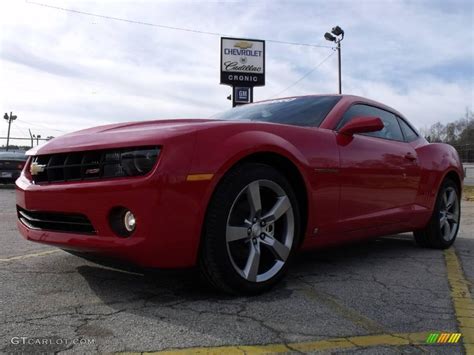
(243, 45)
(36, 168)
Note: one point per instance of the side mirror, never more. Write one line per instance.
(362, 124)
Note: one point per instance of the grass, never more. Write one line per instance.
(468, 193)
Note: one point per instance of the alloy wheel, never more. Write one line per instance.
(449, 214)
(260, 231)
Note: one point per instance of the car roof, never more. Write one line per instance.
(13, 156)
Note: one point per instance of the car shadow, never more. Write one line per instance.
(114, 285)
(312, 288)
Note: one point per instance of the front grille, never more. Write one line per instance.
(53, 221)
(70, 166)
(95, 164)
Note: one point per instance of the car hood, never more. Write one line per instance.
(122, 135)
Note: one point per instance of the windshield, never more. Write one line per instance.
(298, 111)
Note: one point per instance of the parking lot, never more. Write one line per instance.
(384, 296)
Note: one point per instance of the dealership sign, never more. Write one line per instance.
(242, 62)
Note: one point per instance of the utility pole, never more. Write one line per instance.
(31, 137)
(9, 119)
(339, 61)
(337, 38)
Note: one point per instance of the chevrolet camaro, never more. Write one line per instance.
(240, 193)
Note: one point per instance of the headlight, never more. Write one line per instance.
(130, 162)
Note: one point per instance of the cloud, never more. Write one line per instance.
(63, 71)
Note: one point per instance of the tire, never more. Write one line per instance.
(442, 229)
(246, 249)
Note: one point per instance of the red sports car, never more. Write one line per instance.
(240, 193)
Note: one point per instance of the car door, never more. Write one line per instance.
(379, 173)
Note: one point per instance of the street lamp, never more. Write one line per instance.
(337, 38)
(37, 137)
(10, 119)
(329, 37)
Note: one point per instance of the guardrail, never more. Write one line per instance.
(466, 152)
(469, 171)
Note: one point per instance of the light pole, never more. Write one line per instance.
(9, 119)
(31, 137)
(337, 38)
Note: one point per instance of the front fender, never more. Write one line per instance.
(217, 154)
(217, 151)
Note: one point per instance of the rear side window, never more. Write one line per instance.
(391, 129)
(408, 132)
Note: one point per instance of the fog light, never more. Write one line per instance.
(129, 221)
(122, 221)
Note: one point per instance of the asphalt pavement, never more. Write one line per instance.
(383, 296)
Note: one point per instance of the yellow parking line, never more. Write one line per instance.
(462, 299)
(320, 345)
(33, 255)
(463, 306)
(339, 308)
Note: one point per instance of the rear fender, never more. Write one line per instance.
(437, 161)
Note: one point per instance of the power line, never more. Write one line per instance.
(304, 76)
(41, 126)
(21, 129)
(166, 26)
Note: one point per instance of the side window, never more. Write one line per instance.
(391, 129)
(408, 132)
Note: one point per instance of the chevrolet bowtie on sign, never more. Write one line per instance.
(242, 62)
(243, 45)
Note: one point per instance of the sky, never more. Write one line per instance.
(62, 71)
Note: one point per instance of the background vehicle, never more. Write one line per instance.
(240, 193)
(11, 165)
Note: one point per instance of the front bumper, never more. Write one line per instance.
(169, 212)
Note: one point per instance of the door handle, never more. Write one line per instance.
(410, 156)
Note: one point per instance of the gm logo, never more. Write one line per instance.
(242, 95)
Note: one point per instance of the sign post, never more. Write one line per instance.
(242, 67)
